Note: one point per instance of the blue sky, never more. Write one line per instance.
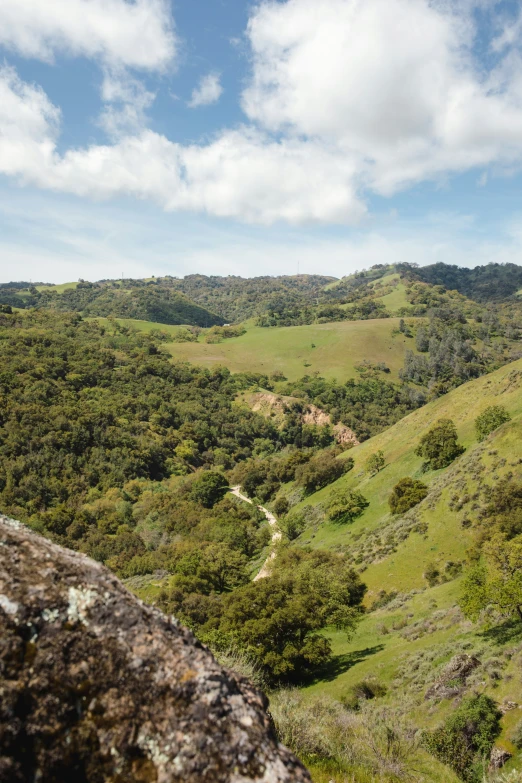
(226, 137)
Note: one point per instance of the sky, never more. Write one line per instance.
(153, 137)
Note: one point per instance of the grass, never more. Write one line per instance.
(396, 299)
(144, 326)
(339, 347)
(58, 288)
(445, 539)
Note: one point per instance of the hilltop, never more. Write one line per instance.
(380, 292)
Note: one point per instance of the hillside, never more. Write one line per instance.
(333, 349)
(445, 536)
(490, 283)
(143, 300)
(405, 644)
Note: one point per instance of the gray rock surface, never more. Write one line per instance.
(95, 686)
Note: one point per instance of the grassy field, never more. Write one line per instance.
(396, 299)
(332, 349)
(58, 288)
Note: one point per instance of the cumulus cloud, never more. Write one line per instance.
(126, 101)
(209, 90)
(392, 82)
(135, 34)
(241, 174)
(343, 100)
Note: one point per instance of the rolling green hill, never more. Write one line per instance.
(402, 569)
(332, 349)
(142, 300)
(405, 644)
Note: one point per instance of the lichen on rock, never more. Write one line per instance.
(95, 686)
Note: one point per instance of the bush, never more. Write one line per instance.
(465, 740)
(346, 505)
(366, 690)
(516, 737)
(439, 447)
(406, 494)
(432, 574)
(374, 746)
(490, 419)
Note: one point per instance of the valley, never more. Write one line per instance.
(240, 477)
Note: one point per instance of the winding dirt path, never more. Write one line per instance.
(276, 533)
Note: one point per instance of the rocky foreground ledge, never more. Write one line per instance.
(95, 686)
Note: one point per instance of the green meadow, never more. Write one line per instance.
(333, 350)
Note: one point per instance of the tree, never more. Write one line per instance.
(375, 463)
(406, 494)
(321, 471)
(490, 419)
(209, 488)
(276, 620)
(346, 505)
(440, 446)
(498, 581)
(466, 738)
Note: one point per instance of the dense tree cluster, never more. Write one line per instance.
(483, 283)
(367, 404)
(85, 410)
(277, 620)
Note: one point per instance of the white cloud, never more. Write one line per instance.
(343, 101)
(209, 90)
(126, 102)
(48, 235)
(241, 174)
(135, 34)
(392, 82)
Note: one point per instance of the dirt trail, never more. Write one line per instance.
(276, 533)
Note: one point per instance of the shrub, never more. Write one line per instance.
(366, 690)
(465, 739)
(439, 447)
(281, 506)
(516, 737)
(432, 574)
(375, 463)
(490, 419)
(346, 505)
(406, 494)
(374, 746)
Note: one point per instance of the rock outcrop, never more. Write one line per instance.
(96, 686)
(453, 677)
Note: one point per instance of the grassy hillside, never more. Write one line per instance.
(445, 538)
(332, 349)
(405, 645)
